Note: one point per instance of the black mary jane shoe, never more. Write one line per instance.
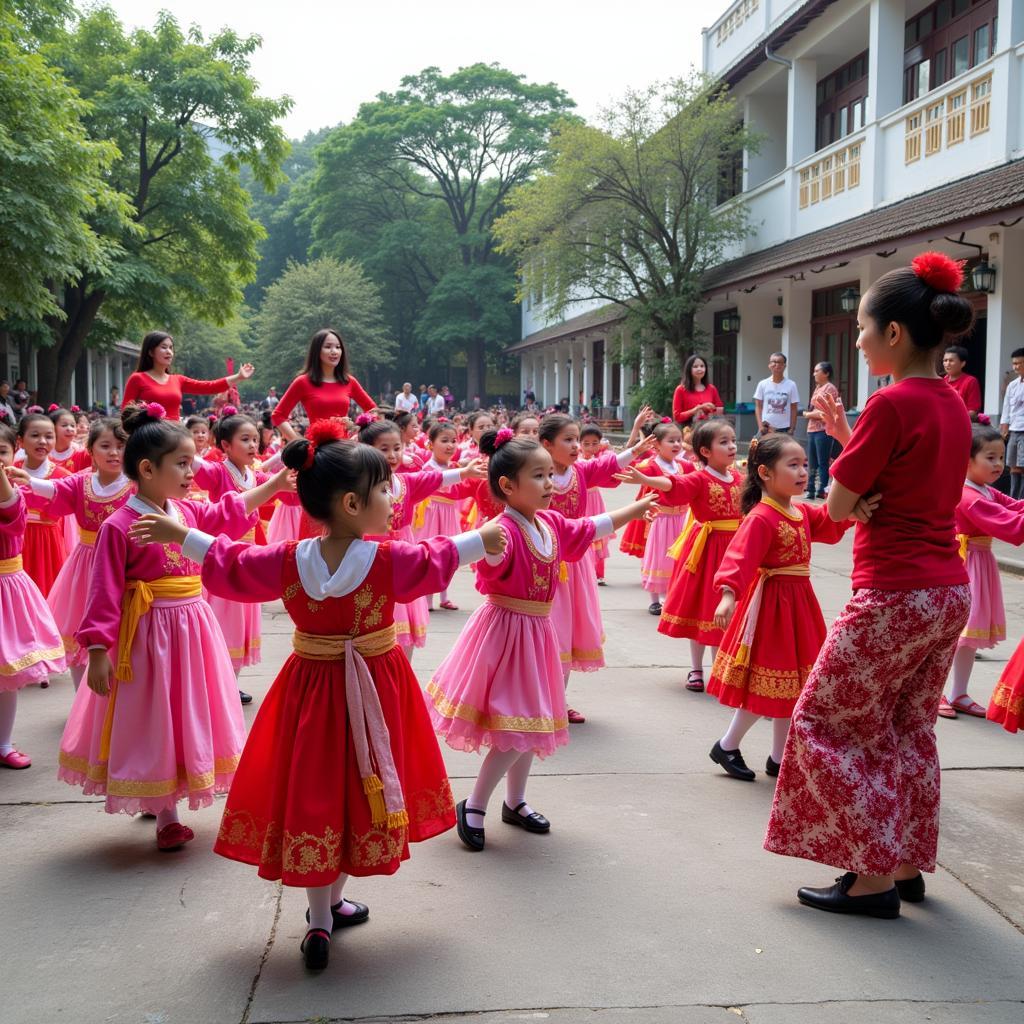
(835, 899)
(695, 681)
(532, 822)
(772, 767)
(732, 763)
(911, 890)
(340, 920)
(654, 608)
(472, 837)
(316, 949)
(245, 698)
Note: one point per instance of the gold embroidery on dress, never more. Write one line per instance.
(788, 541)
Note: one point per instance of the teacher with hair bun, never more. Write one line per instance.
(325, 387)
(153, 381)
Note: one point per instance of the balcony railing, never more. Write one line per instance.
(734, 19)
(945, 122)
(834, 173)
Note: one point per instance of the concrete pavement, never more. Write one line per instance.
(651, 901)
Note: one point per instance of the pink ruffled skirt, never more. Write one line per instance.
(656, 568)
(595, 506)
(501, 686)
(241, 624)
(177, 728)
(68, 599)
(30, 646)
(411, 623)
(440, 519)
(284, 523)
(986, 625)
(71, 539)
(576, 616)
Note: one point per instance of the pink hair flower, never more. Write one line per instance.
(365, 419)
(76, 408)
(666, 419)
(53, 407)
(229, 410)
(504, 435)
(34, 409)
(155, 410)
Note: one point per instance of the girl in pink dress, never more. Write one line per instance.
(30, 647)
(576, 612)
(65, 451)
(438, 515)
(407, 491)
(592, 444)
(983, 513)
(657, 565)
(502, 685)
(159, 720)
(87, 500)
(341, 771)
(44, 551)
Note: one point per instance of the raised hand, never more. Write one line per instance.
(494, 537)
(17, 475)
(156, 528)
(475, 469)
(246, 371)
(834, 417)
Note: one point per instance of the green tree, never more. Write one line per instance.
(462, 142)
(201, 349)
(629, 211)
(185, 115)
(308, 296)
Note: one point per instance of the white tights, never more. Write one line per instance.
(963, 665)
(515, 766)
(8, 709)
(697, 655)
(321, 899)
(740, 725)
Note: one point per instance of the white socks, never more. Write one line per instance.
(165, 818)
(742, 720)
(515, 783)
(321, 901)
(566, 672)
(697, 656)
(780, 730)
(496, 765)
(8, 709)
(963, 664)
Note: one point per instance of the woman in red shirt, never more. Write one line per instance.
(696, 398)
(325, 387)
(954, 359)
(153, 381)
(859, 785)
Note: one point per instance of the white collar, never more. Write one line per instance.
(980, 488)
(669, 467)
(726, 478)
(316, 579)
(111, 488)
(561, 479)
(246, 479)
(56, 456)
(432, 463)
(41, 472)
(539, 534)
(137, 503)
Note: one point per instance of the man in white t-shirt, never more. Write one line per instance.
(435, 402)
(405, 400)
(777, 399)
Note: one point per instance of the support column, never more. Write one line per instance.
(885, 58)
(606, 376)
(623, 378)
(558, 391)
(801, 112)
(796, 335)
(588, 372)
(871, 268)
(1005, 314)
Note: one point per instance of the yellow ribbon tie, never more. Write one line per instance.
(86, 537)
(9, 566)
(563, 572)
(979, 541)
(419, 517)
(701, 538)
(138, 599)
(473, 515)
(754, 606)
(676, 548)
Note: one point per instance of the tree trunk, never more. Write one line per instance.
(56, 363)
(476, 371)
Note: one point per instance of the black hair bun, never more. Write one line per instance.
(295, 453)
(137, 415)
(953, 314)
(488, 442)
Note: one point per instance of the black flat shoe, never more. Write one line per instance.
(732, 762)
(245, 698)
(472, 837)
(602, 583)
(835, 900)
(772, 767)
(695, 681)
(532, 822)
(654, 608)
(339, 920)
(316, 949)
(911, 890)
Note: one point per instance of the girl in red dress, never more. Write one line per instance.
(341, 770)
(634, 537)
(45, 550)
(770, 645)
(859, 785)
(713, 494)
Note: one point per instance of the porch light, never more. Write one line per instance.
(849, 301)
(731, 324)
(983, 277)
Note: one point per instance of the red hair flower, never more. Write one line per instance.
(365, 419)
(155, 410)
(504, 435)
(326, 430)
(228, 410)
(666, 419)
(938, 271)
(53, 407)
(76, 408)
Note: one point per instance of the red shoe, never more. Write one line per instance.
(946, 710)
(575, 718)
(449, 606)
(173, 836)
(16, 760)
(966, 706)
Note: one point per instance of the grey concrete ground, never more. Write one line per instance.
(651, 901)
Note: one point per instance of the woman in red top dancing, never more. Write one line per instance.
(153, 381)
(325, 387)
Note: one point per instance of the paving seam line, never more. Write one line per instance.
(264, 957)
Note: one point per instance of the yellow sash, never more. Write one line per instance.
(318, 647)
(754, 606)
(35, 515)
(980, 542)
(704, 530)
(138, 599)
(86, 537)
(539, 609)
(9, 566)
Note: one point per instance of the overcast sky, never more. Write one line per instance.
(330, 56)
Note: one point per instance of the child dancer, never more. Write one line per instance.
(634, 537)
(859, 785)
(407, 491)
(1007, 704)
(87, 500)
(479, 423)
(983, 513)
(591, 438)
(30, 646)
(413, 456)
(437, 516)
(526, 425)
(713, 494)
(770, 645)
(341, 770)
(162, 721)
(44, 548)
(501, 686)
(669, 519)
(576, 611)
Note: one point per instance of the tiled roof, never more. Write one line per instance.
(948, 208)
(595, 318)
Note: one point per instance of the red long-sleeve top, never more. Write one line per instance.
(140, 387)
(685, 402)
(321, 401)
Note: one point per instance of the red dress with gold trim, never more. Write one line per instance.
(777, 630)
(45, 550)
(1007, 704)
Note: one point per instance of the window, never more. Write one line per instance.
(841, 101)
(960, 55)
(730, 176)
(981, 47)
(939, 69)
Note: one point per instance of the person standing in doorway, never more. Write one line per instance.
(1011, 424)
(954, 360)
(776, 399)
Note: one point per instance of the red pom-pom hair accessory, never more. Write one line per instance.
(365, 419)
(76, 408)
(155, 410)
(323, 432)
(228, 410)
(504, 436)
(938, 271)
(53, 407)
(666, 419)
